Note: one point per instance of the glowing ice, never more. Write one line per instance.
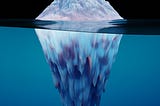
(80, 62)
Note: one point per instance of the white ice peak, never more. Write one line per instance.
(79, 10)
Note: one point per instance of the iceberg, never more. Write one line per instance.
(80, 61)
(79, 10)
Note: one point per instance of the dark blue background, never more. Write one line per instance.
(25, 77)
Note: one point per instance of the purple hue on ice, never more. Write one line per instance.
(79, 10)
(80, 62)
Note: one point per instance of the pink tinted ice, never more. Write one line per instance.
(79, 10)
(80, 61)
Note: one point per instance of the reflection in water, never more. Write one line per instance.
(80, 63)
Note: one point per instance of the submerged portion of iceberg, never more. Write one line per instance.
(81, 10)
(80, 63)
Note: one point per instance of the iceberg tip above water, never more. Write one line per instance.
(79, 10)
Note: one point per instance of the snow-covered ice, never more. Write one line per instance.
(79, 10)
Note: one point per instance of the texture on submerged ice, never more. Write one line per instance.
(80, 62)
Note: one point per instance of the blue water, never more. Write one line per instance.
(25, 76)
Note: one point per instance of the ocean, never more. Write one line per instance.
(26, 78)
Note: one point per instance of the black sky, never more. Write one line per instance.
(30, 9)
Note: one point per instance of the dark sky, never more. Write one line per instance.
(128, 9)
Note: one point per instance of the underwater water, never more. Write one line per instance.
(26, 78)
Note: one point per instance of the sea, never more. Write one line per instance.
(25, 76)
